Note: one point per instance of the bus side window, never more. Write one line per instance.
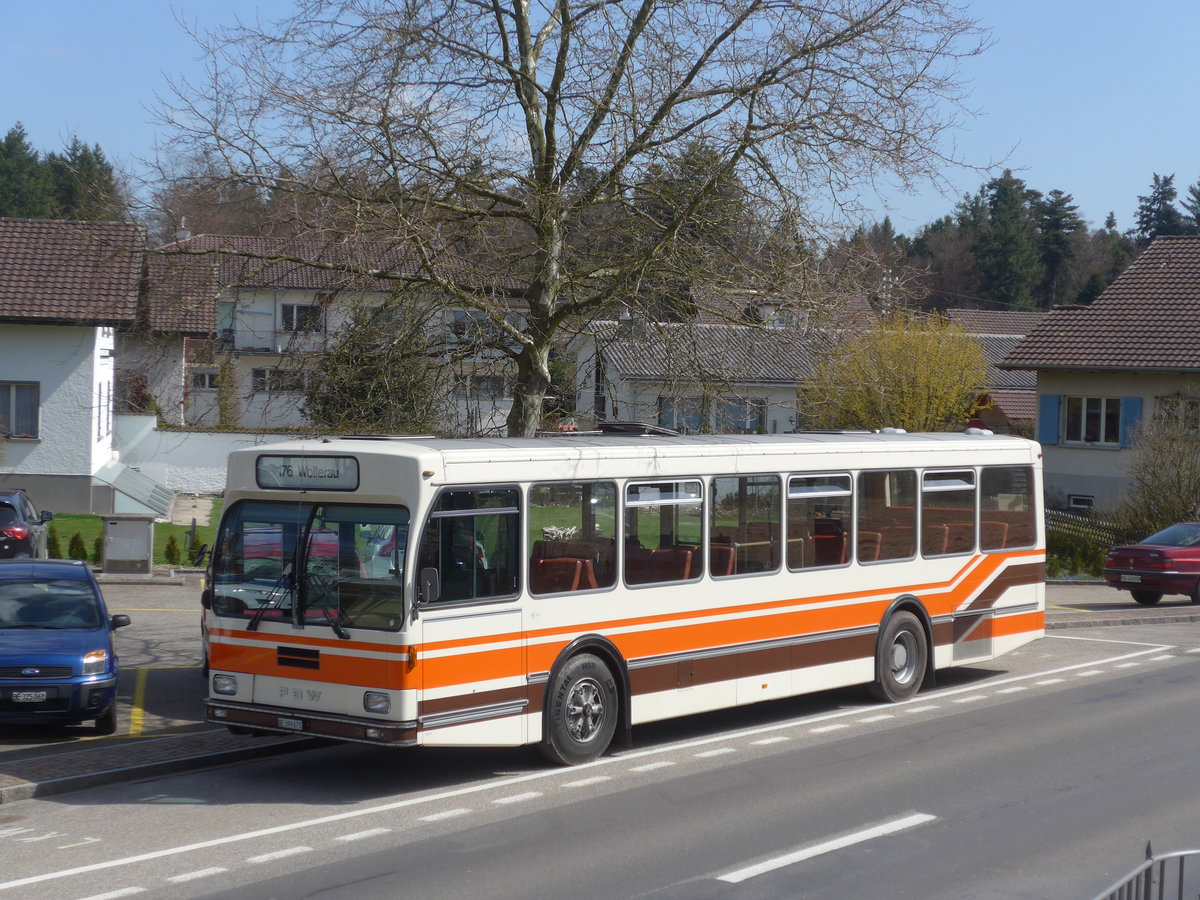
(572, 536)
(663, 532)
(473, 539)
(1007, 508)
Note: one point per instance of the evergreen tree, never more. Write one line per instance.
(1156, 214)
(82, 184)
(23, 189)
(1192, 205)
(1007, 247)
(1057, 220)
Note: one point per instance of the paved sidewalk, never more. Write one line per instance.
(27, 772)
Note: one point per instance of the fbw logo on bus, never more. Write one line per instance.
(298, 694)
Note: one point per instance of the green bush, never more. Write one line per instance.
(54, 544)
(77, 549)
(98, 550)
(171, 551)
(1067, 554)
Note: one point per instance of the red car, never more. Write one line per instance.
(1164, 563)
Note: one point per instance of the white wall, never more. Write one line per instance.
(186, 461)
(70, 364)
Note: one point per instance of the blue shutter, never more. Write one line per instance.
(1131, 414)
(1047, 425)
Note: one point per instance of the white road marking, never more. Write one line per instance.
(720, 751)
(585, 782)
(1129, 665)
(1193, 650)
(848, 840)
(776, 739)
(971, 699)
(879, 718)
(113, 895)
(448, 814)
(1050, 681)
(1090, 673)
(650, 767)
(618, 759)
(1013, 690)
(518, 798)
(1161, 658)
(928, 707)
(362, 835)
(825, 728)
(278, 854)
(198, 874)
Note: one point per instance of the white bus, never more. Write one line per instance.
(559, 591)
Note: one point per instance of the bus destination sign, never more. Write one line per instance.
(314, 473)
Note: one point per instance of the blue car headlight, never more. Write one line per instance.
(95, 663)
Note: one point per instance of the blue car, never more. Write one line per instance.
(57, 663)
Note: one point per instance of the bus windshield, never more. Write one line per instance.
(329, 564)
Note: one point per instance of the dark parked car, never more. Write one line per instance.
(57, 663)
(1164, 563)
(23, 530)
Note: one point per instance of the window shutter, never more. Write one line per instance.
(1047, 426)
(1131, 414)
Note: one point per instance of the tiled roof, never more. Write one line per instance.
(281, 263)
(63, 271)
(1149, 318)
(996, 348)
(181, 293)
(725, 353)
(1016, 405)
(986, 321)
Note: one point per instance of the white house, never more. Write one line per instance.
(66, 288)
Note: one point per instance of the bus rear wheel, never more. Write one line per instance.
(901, 659)
(581, 711)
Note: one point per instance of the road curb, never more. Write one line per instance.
(24, 779)
(1085, 620)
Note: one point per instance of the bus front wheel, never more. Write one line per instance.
(901, 659)
(581, 711)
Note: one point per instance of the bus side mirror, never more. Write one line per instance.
(431, 585)
(206, 598)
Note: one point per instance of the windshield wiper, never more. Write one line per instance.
(274, 599)
(321, 582)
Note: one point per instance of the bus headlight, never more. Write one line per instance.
(377, 702)
(224, 684)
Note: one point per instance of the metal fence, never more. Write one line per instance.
(1174, 875)
(1089, 528)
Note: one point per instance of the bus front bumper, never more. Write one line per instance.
(250, 718)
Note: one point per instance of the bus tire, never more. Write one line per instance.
(901, 659)
(581, 711)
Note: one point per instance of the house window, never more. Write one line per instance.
(1093, 420)
(301, 317)
(276, 381)
(684, 415)
(1180, 412)
(204, 381)
(742, 417)
(19, 409)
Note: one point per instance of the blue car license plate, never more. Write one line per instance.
(29, 696)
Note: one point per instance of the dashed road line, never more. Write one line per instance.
(650, 767)
(278, 854)
(882, 717)
(518, 798)
(586, 782)
(113, 895)
(774, 739)
(197, 875)
(836, 726)
(363, 835)
(720, 751)
(442, 816)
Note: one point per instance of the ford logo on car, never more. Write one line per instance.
(31, 672)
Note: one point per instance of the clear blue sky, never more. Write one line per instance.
(1087, 97)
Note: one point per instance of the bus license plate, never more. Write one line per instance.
(1133, 579)
(28, 696)
(292, 724)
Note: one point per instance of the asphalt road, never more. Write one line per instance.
(1041, 775)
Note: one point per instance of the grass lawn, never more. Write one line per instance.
(89, 528)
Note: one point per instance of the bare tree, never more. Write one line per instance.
(1164, 472)
(522, 135)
